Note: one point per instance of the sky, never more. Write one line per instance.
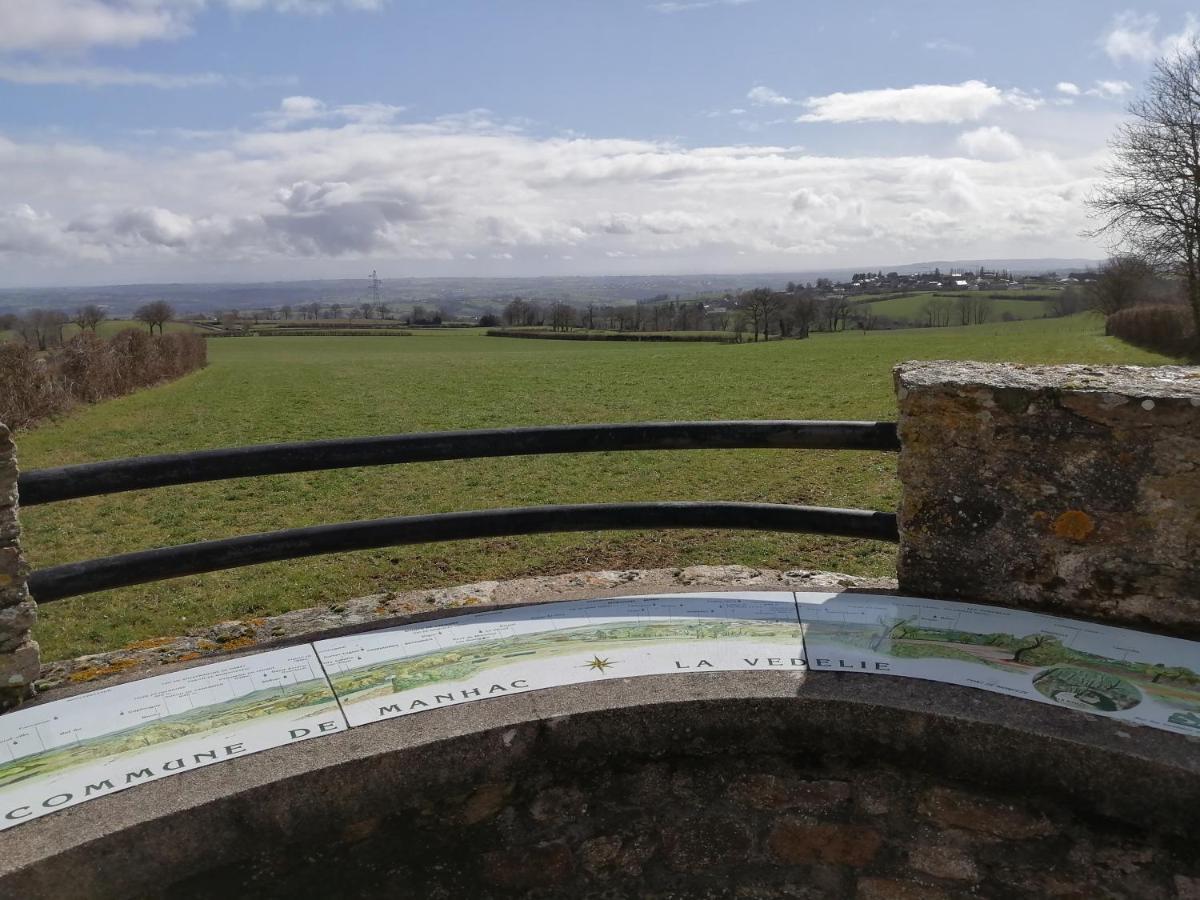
(262, 140)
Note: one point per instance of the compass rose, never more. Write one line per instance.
(598, 664)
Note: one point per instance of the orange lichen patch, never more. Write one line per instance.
(114, 668)
(238, 643)
(206, 644)
(189, 656)
(258, 621)
(1075, 525)
(149, 643)
(381, 610)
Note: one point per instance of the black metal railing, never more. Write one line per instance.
(70, 482)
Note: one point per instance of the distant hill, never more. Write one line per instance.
(1016, 266)
(467, 296)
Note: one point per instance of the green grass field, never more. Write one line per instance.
(279, 389)
(908, 308)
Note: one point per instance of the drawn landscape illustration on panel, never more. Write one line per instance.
(440, 666)
(1058, 672)
(51, 739)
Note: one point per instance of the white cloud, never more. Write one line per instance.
(941, 45)
(55, 25)
(1135, 38)
(300, 109)
(677, 6)
(1110, 90)
(765, 96)
(1067, 87)
(922, 103)
(990, 142)
(105, 76)
(464, 190)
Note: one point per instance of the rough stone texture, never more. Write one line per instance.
(19, 663)
(143, 656)
(1069, 489)
(643, 838)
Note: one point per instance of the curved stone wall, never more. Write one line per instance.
(759, 784)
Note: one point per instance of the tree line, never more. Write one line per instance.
(43, 329)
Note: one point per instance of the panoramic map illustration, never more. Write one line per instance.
(62, 753)
(417, 667)
(1146, 679)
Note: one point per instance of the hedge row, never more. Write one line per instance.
(1168, 329)
(87, 369)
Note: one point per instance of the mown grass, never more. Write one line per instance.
(279, 389)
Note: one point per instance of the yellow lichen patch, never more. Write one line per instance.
(238, 643)
(206, 644)
(149, 643)
(95, 672)
(1075, 525)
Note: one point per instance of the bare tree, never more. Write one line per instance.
(762, 304)
(1123, 281)
(562, 316)
(39, 328)
(89, 316)
(58, 321)
(798, 313)
(155, 314)
(1150, 201)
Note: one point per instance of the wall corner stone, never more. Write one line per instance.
(20, 660)
(1067, 489)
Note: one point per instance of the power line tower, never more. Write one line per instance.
(374, 288)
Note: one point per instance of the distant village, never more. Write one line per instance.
(981, 280)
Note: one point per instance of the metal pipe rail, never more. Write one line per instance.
(207, 556)
(114, 476)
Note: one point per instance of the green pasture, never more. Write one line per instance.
(283, 389)
(909, 308)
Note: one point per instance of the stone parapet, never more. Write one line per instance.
(1068, 489)
(19, 659)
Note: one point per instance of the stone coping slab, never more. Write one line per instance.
(213, 642)
(1181, 383)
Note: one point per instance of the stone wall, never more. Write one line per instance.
(19, 664)
(759, 827)
(1067, 489)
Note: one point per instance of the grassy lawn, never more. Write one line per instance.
(278, 389)
(909, 308)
